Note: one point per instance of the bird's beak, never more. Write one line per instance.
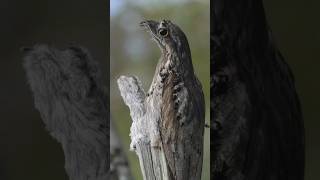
(149, 25)
(143, 23)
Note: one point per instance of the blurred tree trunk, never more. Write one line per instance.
(68, 91)
(119, 166)
(256, 116)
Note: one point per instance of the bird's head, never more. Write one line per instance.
(169, 37)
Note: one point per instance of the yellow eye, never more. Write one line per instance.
(163, 32)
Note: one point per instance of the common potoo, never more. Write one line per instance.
(182, 111)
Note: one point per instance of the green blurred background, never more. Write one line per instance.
(132, 52)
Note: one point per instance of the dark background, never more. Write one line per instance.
(296, 28)
(26, 149)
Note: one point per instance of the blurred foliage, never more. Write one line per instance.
(133, 53)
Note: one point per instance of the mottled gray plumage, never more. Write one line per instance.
(257, 127)
(69, 94)
(182, 107)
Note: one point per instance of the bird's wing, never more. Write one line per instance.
(182, 116)
(169, 124)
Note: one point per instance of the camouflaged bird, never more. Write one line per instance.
(182, 109)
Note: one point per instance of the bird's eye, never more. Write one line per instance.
(163, 32)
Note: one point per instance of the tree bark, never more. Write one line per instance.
(144, 129)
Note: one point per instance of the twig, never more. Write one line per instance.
(144, 129)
